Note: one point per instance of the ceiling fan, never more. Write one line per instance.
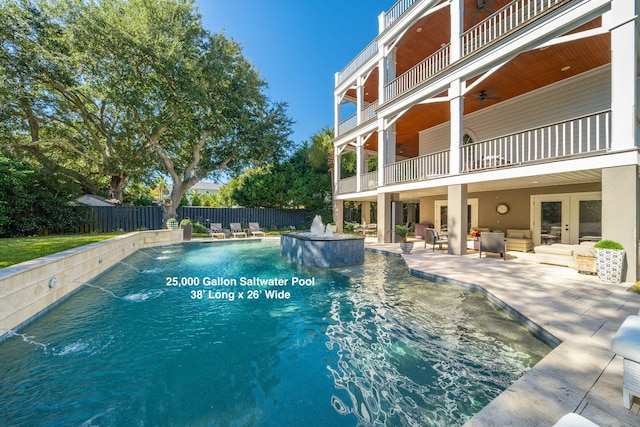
(482, 6)
(483, 95)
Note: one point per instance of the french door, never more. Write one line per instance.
(442, 211)
(566, 218)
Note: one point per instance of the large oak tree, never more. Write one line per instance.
(144, 84)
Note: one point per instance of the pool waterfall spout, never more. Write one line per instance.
(320, 247)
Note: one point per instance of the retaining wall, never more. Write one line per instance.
(30, 288)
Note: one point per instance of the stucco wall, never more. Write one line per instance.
(518, 201)
(31, 287)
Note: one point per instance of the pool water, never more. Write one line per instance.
(364, 345)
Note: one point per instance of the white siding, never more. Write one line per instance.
(580, 95)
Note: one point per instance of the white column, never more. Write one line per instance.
(360, 169)
(456, 107)
(621, 215)
(382, 156)
(336, 115)
(384, 217)
(456, 11)
(359, 99)
(624, 74)
(457, 219)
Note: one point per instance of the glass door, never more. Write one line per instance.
(587, 214)
(566, 218)
(551, 222)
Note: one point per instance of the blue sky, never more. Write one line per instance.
(298, 46)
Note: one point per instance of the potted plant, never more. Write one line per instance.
(609, 261)
(402, 231)
(187, 227)
(172, 223)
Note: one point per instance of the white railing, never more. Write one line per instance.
(579, 136)
(367, 53)
(417, 168)
(396, 11)
(347, 125)
(503, 21)
(347, 185)
(419, 73)
(369, 112)
(369, 181)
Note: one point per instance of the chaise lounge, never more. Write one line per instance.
(216, 231)
(254, 229)
(236, 230)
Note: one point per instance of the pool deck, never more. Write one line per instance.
(581, 374)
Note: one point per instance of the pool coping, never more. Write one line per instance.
(32, 288)
(580, 374)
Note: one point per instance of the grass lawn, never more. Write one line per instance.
(20, 249)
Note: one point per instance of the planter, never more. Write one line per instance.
(187, 231)
(609, 263)
(406, 247)
(172, 225)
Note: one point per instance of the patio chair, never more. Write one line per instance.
(216, 231)
(236, 230)
(433, 238)
(254, 229)
(493, 242)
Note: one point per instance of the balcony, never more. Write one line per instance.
(418, 168)
(506, 20)
(579, 137)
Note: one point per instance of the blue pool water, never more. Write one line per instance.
(365, 345)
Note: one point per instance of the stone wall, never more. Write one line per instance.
(30, 288)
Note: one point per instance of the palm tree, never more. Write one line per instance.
(321, 156)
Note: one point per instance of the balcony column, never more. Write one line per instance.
(457, 219)
(336, 115)
(456, 12)
(624, 74)
(359, 99)
(337, 213)
(621, 215)
(360, 162)
(456, 107)
(385, 227)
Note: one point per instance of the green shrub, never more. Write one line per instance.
(608, 244)
(185, 221)
(200, 229)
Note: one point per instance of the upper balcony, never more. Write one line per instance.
(579, 137)
(430, 34)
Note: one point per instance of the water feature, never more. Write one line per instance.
(320, 247)
(360, 345)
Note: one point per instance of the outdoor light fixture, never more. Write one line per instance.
(53, 282)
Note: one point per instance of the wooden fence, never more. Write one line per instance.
(133, 218)
(268, 218)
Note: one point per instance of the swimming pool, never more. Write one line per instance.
(234, 335)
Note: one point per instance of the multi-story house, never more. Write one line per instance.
(500, 114)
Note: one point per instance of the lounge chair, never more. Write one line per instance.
(236, 230)
(216, 231)
(254, 229)
(433, 238)
(493, 242)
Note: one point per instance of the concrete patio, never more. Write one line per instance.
(581, 374)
